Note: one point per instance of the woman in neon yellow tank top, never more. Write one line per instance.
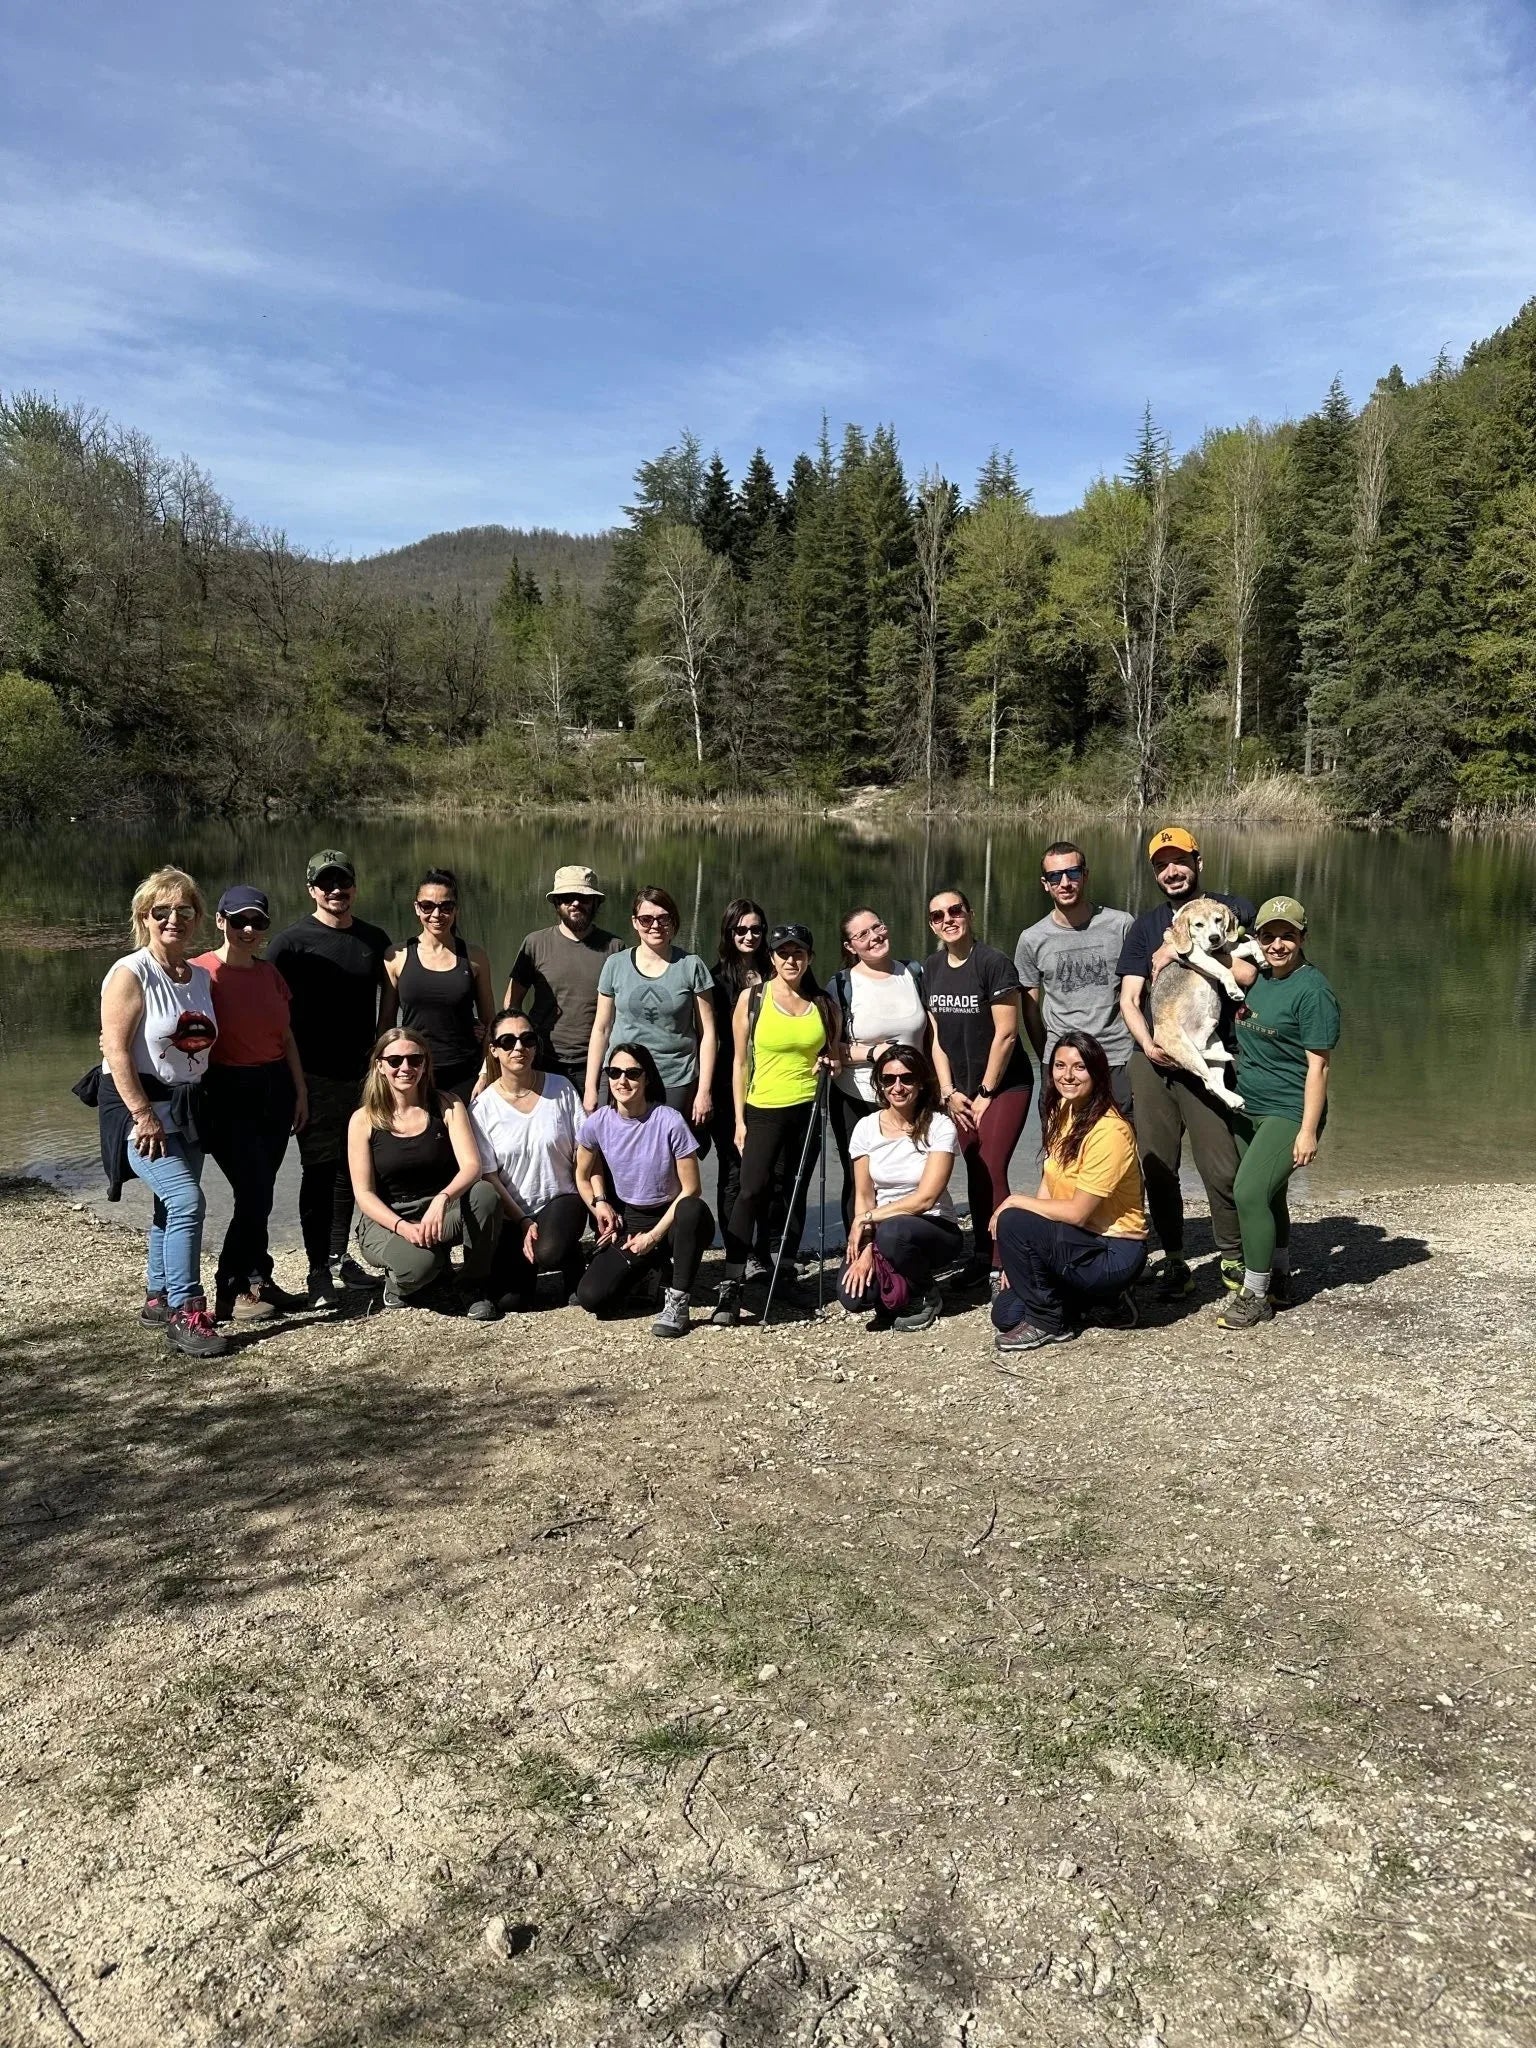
(785, 1033)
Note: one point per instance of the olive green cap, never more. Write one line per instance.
(1281, 910)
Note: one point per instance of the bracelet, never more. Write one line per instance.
(395, 1227)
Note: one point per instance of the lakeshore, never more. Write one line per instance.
(401, 1678)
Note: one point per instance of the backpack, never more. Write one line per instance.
(841, 990)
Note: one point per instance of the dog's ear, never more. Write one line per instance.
(1180, 937)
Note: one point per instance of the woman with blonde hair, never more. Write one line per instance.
(157, 1030)
(416, 1178)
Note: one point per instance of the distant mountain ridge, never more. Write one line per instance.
(475, 559)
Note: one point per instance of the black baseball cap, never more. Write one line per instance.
(784, 935)
(241, 896)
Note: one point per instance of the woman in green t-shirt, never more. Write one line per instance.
(1286, 1032)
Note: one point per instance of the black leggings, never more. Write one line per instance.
(561, 1223)
(614, 1271)
(847, 1110)
(916, 1246)
(775, 1140)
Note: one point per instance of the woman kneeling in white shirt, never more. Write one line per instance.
(526, 1123)
(902, 1159)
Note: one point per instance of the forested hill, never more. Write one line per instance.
(1348, 598)
(475, 559)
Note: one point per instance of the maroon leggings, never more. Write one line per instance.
(986, 1153)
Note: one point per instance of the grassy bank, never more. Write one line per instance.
(407, 1679)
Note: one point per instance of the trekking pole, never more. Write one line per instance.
(801, 1176)
(821, 1230)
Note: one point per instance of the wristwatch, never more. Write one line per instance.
(986, 1091)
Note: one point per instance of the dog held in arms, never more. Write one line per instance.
(1186, 996)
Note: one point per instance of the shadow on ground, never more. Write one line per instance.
(132, 1478)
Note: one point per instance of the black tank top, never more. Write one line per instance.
(441, 1006)
(413, 1169)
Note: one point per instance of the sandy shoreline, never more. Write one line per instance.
(788, 1686)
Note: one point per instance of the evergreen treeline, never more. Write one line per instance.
(1351, 597)
(476, 561)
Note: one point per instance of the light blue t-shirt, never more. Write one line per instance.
(659, 1014)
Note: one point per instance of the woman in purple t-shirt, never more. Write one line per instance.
(637, 1170)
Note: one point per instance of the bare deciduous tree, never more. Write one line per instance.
(683, 613)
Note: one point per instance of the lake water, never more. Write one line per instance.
(1430, 943)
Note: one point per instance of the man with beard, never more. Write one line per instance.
(1169, 1103)
(1069, 967)
(554, 977)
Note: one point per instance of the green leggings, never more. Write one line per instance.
(1263, 1170)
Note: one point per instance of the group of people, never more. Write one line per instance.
(427, 1118)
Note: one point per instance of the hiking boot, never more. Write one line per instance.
(482, 1310)
(1232, 1271)
(247, 1307)
(1119, 1314)
(673, 1320)
(727, 1305)
(1245, 1311)
(514, 1304)
(757, 1269)
(322, 1290)
(155, 1310)
(923, 1314)
(283, 1303)
(1027, 1336)
(191, 1331)
(1280, 1294)
(353, 1278)
(1175, 1282)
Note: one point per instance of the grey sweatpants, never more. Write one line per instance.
(473, 1220)
(1168, 1105)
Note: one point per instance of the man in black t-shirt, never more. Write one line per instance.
(1169, 1103)
(333, 963)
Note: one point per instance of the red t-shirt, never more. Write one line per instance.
(251, 1006)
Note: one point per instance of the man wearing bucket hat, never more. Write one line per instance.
(1169, 1104)
(333, 963)
(554, 977)
(1286, 1032)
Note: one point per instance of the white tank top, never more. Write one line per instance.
(177, 1029)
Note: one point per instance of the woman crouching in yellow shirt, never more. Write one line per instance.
(1071, 1252)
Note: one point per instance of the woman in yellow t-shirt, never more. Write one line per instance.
(1072, 1252)
(785, 1033)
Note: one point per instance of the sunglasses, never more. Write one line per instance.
(436, 909)
(246, 921)
(578, 899)
(334, 886)
(948, 913)
(512, 1041)
(648, 918)
(899, 1079)
(174, 913)
(625, 1073)
(403, 1059)
(1074, 874)
(749, 931)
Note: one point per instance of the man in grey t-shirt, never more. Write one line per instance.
(1068, 966)
(556, 970)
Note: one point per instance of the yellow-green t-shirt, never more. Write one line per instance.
(784, 1052)
(1107, 1167)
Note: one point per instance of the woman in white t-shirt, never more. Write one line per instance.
(883, 1003)
(526, 1123)
(903, 1154)
(157, 1030)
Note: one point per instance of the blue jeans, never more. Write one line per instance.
(1055, 1269)
(176, 1233)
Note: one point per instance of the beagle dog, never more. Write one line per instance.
(1186, 996)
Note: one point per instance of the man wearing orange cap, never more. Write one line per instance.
(1169, 1103)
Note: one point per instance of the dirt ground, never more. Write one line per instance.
(400, 1679)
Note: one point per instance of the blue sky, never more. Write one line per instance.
(391, 267)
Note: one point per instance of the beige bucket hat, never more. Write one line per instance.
(575, 881)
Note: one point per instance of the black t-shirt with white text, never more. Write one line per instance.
(960, 1002)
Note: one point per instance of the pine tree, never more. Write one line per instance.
(717, 510)
(884, 512)
(759, 514)
(826, 606)
(1323, 468)
(1498, 722)
(999, 478)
